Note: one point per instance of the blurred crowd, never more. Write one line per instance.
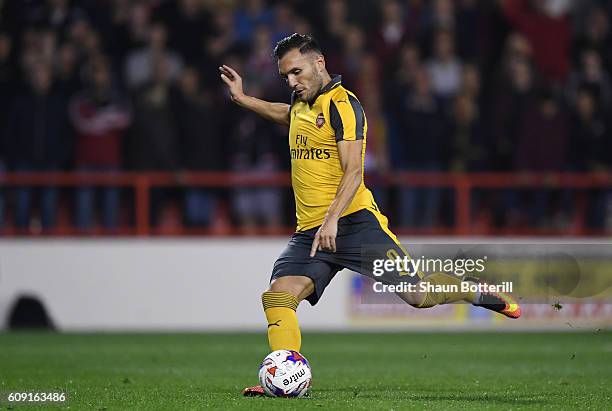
(466, 85)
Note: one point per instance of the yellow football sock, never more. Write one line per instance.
(436, 298)
(283, 328)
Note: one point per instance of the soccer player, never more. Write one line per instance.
(336, 213)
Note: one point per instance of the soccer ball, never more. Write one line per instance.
(285, 373)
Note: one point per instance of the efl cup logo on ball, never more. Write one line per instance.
(285, 373)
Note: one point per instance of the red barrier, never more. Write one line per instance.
(461, 183)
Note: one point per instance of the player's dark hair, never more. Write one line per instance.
(303, 42)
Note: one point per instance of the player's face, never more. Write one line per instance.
(303, 73)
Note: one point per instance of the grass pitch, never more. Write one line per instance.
(350, 371)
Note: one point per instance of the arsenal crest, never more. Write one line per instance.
(320, 120)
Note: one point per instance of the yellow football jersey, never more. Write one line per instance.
(314, 130)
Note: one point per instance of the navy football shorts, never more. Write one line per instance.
(362, 236)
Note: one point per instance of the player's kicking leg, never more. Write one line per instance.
(280, 303)
(380, 235)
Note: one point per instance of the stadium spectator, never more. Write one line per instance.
(543, 136)
(140, 63)
(86, 39)
(593, 34)
(377, 153)
(392, 32)
(440, 15)
(222, 41)
(471, 84)
(543, 144)
(460, 18)
(468, 147)
(121, 25)
(590, 149)
(253, 14)
(8, 78)
(408, 64)
(46, 44)
(200, 147)
(66, 70)
(284, 22)
(153, 137)
(58, 15)
(349, 61)
(591, 73)
(263, 75)
(420, 145)
(472, 29)
(367, 86)
(7, 91)
(467, 143)
(188, 25)
(38, 139)
(513, 97)
(138, 24)
(444, 67)
(516, 47)
(224, 36)
(548, 32)
(254, 148)
(395, 86)
(335, 24)
(254, 152)
(100, 116)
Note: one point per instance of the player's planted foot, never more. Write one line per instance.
(499, 302)
(256, 391)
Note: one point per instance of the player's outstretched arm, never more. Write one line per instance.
(277, 112)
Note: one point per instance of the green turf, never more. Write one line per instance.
(351, 371)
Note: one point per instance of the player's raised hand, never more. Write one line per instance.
(233, 81)
(325, 238)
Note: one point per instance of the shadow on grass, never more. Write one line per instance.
(498, 399)
(411, 396)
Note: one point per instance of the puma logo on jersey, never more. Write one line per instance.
(275, 323)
